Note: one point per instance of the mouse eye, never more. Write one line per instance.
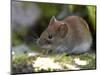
(50, 36)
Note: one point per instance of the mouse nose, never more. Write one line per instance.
(42, 42)
(39, 42)
(48, 42)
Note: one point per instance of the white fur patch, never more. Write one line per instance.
(81, 48)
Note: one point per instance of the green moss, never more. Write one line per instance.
(20, 59)
(62, 60)
(90, 58)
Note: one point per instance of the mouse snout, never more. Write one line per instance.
(42, 42)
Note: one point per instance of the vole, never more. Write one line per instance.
(71, 35)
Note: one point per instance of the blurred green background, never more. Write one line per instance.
(29, 19)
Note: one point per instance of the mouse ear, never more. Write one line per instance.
(63, 30)
(53, 20)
